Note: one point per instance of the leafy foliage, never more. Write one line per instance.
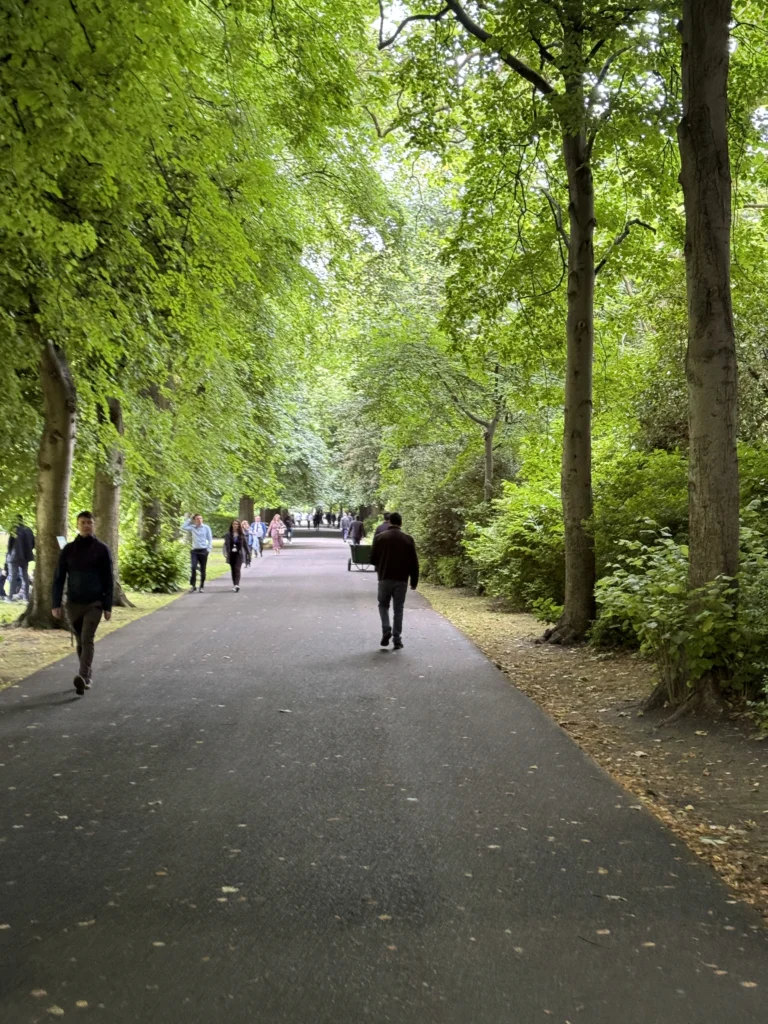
(154, 569)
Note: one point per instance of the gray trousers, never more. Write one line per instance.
(394, 591)
(84, 620)
(19, 572)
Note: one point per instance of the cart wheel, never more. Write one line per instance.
(349, 565)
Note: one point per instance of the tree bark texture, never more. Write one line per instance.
(713, 476)
(54, 472)
(246, 508)
(576, 476)
(151, 521)
(488, 435)
(106, 494)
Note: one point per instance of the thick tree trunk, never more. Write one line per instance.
(576, 479)
(713, 480)
(54, 471)
(106, 495)
(151, 521)
(246, 508)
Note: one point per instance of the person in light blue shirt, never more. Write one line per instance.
(257, 533)
(202, 545)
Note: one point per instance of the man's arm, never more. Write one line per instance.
(107, 581)
(375, 550)
(209, 535)
(187, 524)
(414, 568)
(59, 579)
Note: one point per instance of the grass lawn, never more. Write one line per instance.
(24, 651)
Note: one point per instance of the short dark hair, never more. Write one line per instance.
(395, 519)
(85, 514)
(387, 517)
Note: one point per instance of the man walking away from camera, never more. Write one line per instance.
(202, 545)
(396, 561)
(382, 526)
(85, 565)
(356, 531)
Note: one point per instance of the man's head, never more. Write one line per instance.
(197, 519)
(85, 523)
(395, 519)
(387, 517)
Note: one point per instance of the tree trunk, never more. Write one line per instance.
(106, 495)
(54, 471)
(246, 508)
(576, 478)
(151, 521)
(713, 480)
(488, 435)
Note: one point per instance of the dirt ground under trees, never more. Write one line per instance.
(707, 780)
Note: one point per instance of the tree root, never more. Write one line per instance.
(562, 635)
(706, 700)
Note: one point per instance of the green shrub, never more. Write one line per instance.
(645, 602)
(520, 555)
(449, 571)
(158, 570)
(636, 493)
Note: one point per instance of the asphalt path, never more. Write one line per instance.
(256, 815)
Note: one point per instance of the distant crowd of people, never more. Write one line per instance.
(243, 542)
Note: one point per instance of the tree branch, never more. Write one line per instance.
(519, 67)
(79, 20)
(384, 43)
(636, 222)
(557, 213)
(381, 132)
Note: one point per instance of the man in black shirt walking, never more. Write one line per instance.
(396, 561)
(86, 565)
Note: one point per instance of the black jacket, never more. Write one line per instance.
(86, 565)
(357, 530)
(228, 539)
(24, 544)
(394, 555)
(381, 528)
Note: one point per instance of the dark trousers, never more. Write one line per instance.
(84, 620)
(394, 591)
(234, 567)
(199, 558)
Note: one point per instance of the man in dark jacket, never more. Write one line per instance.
(356, 531)
(382, 526)
(20, 555)
(396, 561)
(86, 566)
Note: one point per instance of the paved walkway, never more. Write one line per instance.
(414, 843)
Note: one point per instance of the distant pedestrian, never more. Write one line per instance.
(396, 561)
(276, 531)
(356, 531)
(345, 523)
(235, 544)
(290, 522)
(257, 534)
(202, 545)
(382, 526)
(21, 554)
(85, 566)
(317, 519)
(245, 530)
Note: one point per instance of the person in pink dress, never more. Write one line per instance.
(276, 531)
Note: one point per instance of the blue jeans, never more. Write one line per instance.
(394, 591)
